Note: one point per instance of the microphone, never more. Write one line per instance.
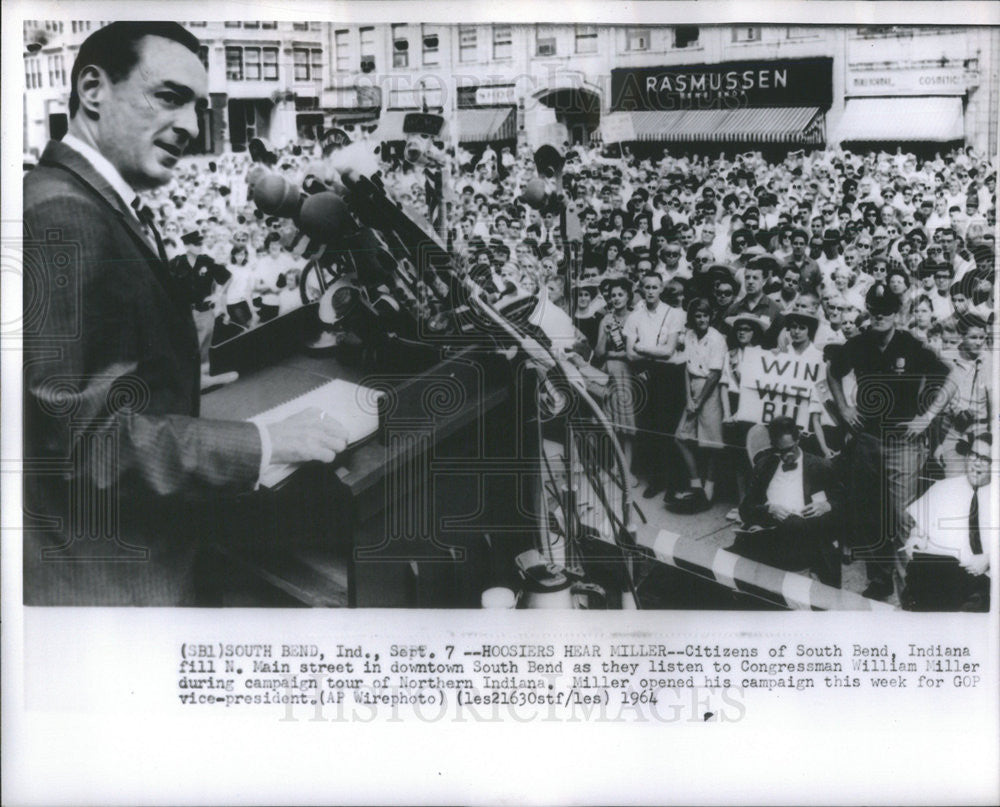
(276, 196)
(256, 173)
(535, 193)
(325, 217)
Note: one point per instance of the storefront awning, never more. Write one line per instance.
(390, 125)
(483, 125)
(936, 119)
(761, 125)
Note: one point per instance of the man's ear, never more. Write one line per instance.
(91, 86)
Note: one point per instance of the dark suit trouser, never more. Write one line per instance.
(794, 544)
(883, 478)
(656, 455)
(938, 583)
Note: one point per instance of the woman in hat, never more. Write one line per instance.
(746, 333)
(611, 348)
(699, 435)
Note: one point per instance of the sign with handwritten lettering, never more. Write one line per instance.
(774, 384)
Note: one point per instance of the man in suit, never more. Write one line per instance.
(949, 544)
(791, 508)
(121, 475)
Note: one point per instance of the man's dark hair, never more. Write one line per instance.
(782, 425)
(114, 49)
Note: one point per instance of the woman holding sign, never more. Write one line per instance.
(699, 435)
(747, 331)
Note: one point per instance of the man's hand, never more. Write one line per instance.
(976, 564)
(917, 426)
(778, 512)
(309, 435)
(210, 382)
(816, 508)
(851, 417)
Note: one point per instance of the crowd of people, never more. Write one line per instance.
(830, 305)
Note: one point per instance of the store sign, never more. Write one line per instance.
(906, 81)
(490, 96)
(728, 85)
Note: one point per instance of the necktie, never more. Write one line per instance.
(975, 538)
(145, 215)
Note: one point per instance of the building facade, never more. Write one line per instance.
(265, 79)
(689, 85)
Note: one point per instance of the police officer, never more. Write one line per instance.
(896, 376)
(196, 275)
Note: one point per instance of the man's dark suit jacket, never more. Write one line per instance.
(120, 472)
(817, 475)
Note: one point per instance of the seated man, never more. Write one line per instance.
(792, 508)
(948, 549)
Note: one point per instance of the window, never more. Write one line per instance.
(746, 33)
(203, 55)
(190, 24)
(272, 24)
(251, 24)
(503, 47)
(57, 71)
(270, 64)
(233, 25)
(801, 31)
(367, 49)
(251, 64)
(637, 39)
(586, 39)
(32, 73)
(432, 43)
(400, 46)
(308, 63)
(686, 36)
(467, 43)
(342, 48)
(234, 64)
(300, 26)
(545, 40)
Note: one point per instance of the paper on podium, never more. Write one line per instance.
(353, 406)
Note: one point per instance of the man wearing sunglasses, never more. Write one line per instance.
(895, 373)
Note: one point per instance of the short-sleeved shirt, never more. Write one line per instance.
(705, 354)
(650, 328)
(893, 385)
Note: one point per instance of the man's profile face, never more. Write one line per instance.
(149, 118)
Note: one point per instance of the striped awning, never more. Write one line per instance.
(755, 125)
(936, 119)
(483, 125)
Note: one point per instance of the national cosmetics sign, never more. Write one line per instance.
(727, 85)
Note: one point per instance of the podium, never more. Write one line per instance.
(426, 514)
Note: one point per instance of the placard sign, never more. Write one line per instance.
(774, 384)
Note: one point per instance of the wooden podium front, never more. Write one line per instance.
(428, 513)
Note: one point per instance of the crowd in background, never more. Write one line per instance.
(683, 278)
